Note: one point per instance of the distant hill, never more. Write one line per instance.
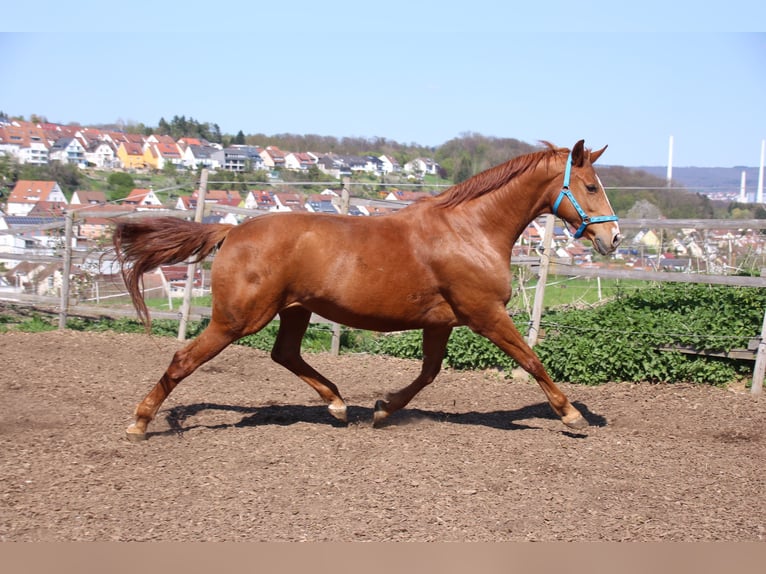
(717, 182)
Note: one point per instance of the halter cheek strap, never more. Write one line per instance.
(586, 220)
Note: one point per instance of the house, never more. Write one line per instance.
(422, 166)
(374, 164)
(48, 209)
(80, 197)
(142, 198)
(360, 163)
(131, 155)
(10, 243)
(26, 235)
(300, 161)
(174, 278)
(24, 141)
(159, 154)
(288, 202)
(321, 203)
(273, 157)
(259, 199)
(184, 203)
(195, 156)
(116, 138)
(37, 278)
(669, 262)
(334, 166)
(101, 154)
(648, 238)
(160, 139)
(219, 196)
(67, 150)
(27, 193)
(389, 164)
(184, 143)
(239, 158)
(230, 198)
(95, 221)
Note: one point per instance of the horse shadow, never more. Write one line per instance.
(180, 418)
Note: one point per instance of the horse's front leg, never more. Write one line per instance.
(500, 329)
(434, 349)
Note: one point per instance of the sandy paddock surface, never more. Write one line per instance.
(245, 451)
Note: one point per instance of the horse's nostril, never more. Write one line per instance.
(617, 240)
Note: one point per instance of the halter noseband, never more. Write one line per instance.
(586, 219)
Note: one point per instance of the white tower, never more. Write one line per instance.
(670, 161)
(759, 193)
(742, 192)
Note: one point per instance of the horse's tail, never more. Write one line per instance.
(143, 245)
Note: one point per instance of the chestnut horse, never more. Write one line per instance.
(439, 263)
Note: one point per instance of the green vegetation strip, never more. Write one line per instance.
(620, 340)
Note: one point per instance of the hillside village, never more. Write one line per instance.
(39, 144)
(32, 215)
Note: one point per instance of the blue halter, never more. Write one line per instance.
(586, 219)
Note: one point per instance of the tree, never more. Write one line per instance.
(464, 169)
(120, 184)
(239, 139)
(643, 209)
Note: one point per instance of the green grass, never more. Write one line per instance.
(573, 291)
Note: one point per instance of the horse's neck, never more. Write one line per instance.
(512, 207)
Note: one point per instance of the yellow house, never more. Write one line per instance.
(131, 155)
(648, 238)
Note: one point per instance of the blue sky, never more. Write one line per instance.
(622, 74)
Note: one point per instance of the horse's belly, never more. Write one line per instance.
(390, 315)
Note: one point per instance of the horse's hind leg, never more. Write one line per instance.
(209, 343)
(287, 352)
(434, 349)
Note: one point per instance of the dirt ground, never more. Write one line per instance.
(244, 451)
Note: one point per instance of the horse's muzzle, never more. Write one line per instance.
(604, 247)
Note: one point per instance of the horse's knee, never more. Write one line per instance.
(284, 357)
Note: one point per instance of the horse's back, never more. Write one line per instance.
(367, 272)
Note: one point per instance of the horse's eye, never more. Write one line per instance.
(591, 188)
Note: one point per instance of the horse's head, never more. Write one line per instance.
(582, 201)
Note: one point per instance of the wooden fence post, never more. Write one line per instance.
(760, 363)
(344, 204)
(67, 269)
(545, 259)
(191, 270)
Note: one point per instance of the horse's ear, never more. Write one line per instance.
(594, 155)
(578, 154)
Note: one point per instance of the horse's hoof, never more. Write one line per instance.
(135, 434)
(380, 413)
(339, 412)
(577, 423)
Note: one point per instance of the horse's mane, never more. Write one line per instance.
(495, 177)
